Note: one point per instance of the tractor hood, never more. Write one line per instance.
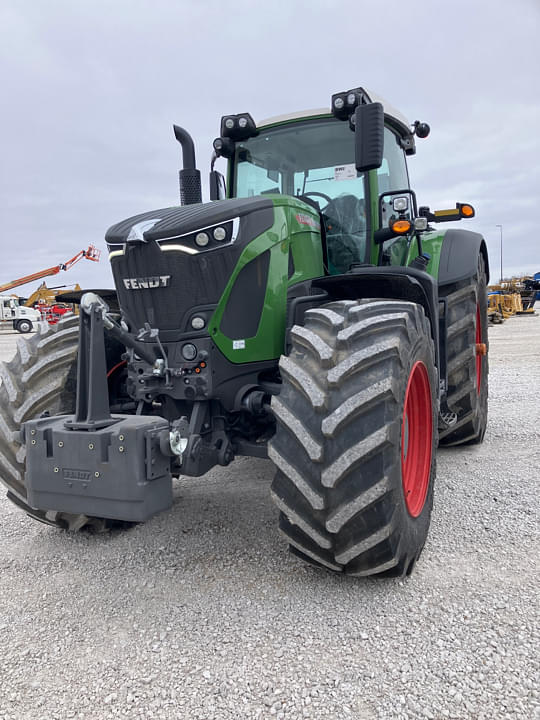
(224, 267)
(170, 261)
(172, 223)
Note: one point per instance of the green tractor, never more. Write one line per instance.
(310, 313)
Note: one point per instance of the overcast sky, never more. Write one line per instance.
(90, 90)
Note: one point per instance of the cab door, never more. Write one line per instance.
(8, 311)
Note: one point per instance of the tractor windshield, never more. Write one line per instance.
(312, 160)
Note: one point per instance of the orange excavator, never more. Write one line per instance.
(90, 254)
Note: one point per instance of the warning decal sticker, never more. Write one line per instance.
(345, 172)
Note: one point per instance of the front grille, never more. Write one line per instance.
(194, 280)
(194, 276)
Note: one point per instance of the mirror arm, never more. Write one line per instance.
(382, 235)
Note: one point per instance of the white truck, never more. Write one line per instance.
(20, 317)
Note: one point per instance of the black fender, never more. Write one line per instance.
(459, 256)
(74, 297)
(393, 282)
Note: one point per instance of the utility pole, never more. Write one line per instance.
(500, 228)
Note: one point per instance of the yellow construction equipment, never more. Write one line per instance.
(49, 296)
(515, 296)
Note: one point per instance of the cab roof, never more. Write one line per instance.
(389, 111)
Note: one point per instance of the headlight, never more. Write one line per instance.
(220, 234)
(201, 239)
(197, 323)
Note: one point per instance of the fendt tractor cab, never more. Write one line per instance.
(310, 313)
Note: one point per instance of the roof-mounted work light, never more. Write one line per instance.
(238, 127)
(345, 103)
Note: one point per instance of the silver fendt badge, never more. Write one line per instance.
(146, 283)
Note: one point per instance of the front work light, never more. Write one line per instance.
(400, 204)
(223, 147)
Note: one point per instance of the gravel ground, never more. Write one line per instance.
(201, 613)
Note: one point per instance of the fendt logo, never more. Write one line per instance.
(71, 474)
(146, 283)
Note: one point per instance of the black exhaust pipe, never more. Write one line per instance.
(189, 177)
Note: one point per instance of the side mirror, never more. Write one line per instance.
(368, 136)
(218, 188)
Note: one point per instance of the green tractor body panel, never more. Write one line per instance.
(432, 243)
(295, 255)
(404, 250)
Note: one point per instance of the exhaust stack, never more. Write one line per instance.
(189, 177)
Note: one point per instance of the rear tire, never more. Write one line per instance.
(359, 389)
(42, 377)
(467, 370)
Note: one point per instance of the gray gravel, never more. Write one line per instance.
(201, 613)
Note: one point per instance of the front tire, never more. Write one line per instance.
(356, 437)
(24, 326)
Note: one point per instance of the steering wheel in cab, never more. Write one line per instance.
(315, 194)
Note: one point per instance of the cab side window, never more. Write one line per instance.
(392, 175)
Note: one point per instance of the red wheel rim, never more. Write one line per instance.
(416, 439)
(478, 355)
